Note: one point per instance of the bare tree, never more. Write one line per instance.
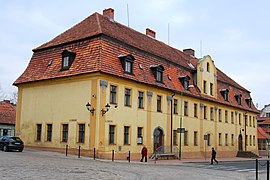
(3, 95)
(14, 97)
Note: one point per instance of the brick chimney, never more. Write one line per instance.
(150, 33)
(109, 13)
(189, 51)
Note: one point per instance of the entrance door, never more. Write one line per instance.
(240, 142)
(158, 140)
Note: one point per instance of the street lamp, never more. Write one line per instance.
(181, 119)
(107, 108)
(88, 106)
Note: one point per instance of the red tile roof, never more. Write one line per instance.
(7, 113)
(261, 134)
(99, 41)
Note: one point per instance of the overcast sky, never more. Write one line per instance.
(234, 33)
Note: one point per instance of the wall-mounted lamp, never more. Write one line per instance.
(107, 107)
(88, 106)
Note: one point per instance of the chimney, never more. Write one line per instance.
(150, 33)
(109, 13)
(189, 51)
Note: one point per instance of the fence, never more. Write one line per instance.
(262, 165)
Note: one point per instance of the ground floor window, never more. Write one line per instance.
(38, 137)
(81, 133)
(49, 132)
(126, 135)
(64, 132)
(112, 134)
(261, 144)
(139, 135)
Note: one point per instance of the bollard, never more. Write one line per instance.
(256, 168)
(128, 156)
(79, 153)
(94, 153)
(112, 155)
(267, 170)
(66, 150)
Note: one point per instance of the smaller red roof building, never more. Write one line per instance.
(7, 113)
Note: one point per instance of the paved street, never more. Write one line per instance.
(34, 164)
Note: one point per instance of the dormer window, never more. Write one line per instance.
(225, 94)
(238, 98)
(158, 72)
(67, 58)
(249, 101)
(185, 81)
(127, 63)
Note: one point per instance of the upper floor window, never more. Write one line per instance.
(67, 58)
(140, 100)
(224, 93)
(204, 87)
(185, 81)
(158, 103)
(113, 94)
(127, 97)
(211, 89)
(158, 72)
(249, 101)
(175, 106)
(212, 114)
(186, 108)
(127, 63)
(238, 98)
(208, 67)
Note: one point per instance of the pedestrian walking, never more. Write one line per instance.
(214, 153)
(144, 153)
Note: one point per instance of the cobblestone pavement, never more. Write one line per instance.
(35, 164)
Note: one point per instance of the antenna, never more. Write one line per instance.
(128, 15)
(168, 33)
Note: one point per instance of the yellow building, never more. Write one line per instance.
(139, 91)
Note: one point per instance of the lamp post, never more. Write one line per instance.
(172, 121)
(181, 119)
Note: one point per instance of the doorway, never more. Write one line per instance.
(158, 140)
(240, 142)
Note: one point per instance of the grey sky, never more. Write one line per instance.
(234, 33)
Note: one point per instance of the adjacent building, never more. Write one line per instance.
(264, 131)
(7, 118)
(138, 91)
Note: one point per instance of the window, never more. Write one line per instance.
(226, 116)
(67, 58)
(246, 140)
(261, 144)
(39, 126)
(249, 102)
(219, 139)
(140, 100)
(185, 108)
(208, 140)
(112, 134)
(219, 115)
(232, 117)
(174, 137)
(211, 89)
(238, 98)
(127, 97)
(224, 93)
(250, 140)
(240, 120)
(204, 87)
(113, 94)
(267, 114)
(186, 138)
(212, 114)
(207, 67)
(175, 106)
(49, 132)
(205, 112)
(158, 72)
(226, 139)
(184, 81)
(127, 63)
(64, 132)
(126, 135)
(195, 110)
(253, 121)
(139, 135)
(250, 121)
(232, 139)
(195, 138)
(254, 140)
(158, 103)
(81, 133)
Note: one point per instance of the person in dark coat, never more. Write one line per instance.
(144, 154)
(214, 153)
